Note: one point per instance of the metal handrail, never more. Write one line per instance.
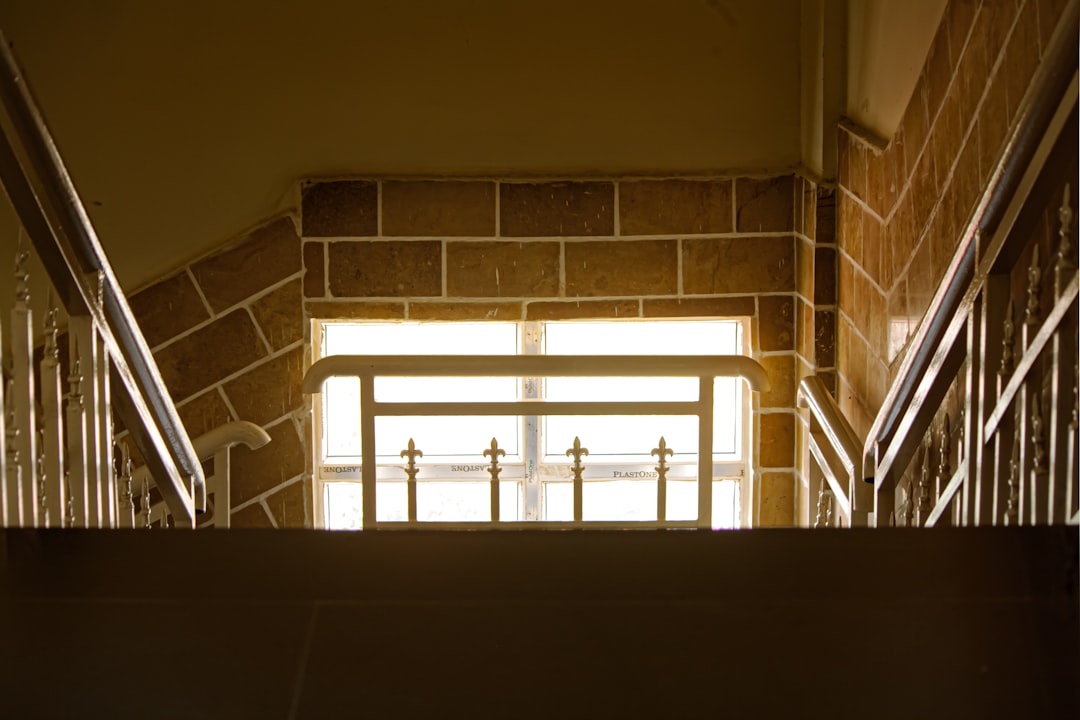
(49, 208)
(814, 396)
(942, 319)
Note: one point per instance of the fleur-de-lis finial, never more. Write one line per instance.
(663, 452)
(577, 452)
(1007, 342)
(411, 453)
(494, 453)
(1031, 314)
(1064, 264)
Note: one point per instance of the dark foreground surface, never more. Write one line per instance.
(770, 623)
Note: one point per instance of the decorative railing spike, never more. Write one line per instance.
(663, 452)
(146, 503)
(127, 497)
(1012, 507)
(411, 470)
(43, 505)
(924, 480)
(1007, 342)
(1039, 454)
(824, 506)
(1031, 313)
(579, 483)
(22, 275)
(1064, 267)
(495, 452)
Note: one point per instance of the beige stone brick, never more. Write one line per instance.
(168, 308)
(438, 208)
(509, 311)
(737, 265)
(385, 269)
(266, 256)
(777, 499)
(556, 209)
(776, 323)
(257, 471)
(781, 371)
(358, 310)
(291, 505)
(621, 267)
(502, 269)
(269, 390)
(581, 309)
(347, 208)
(670, 207)
(825, 276)
(197, 361)
(203, 413)
(737, 306)
(252, 516)
(764, 204)
(777, 440)
(825, 338)
(280, 315)
(804, 268)
(314, 270)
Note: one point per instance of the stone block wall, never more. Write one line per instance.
(231, 330)
(904, 204)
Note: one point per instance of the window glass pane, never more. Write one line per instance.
(447, 437)
(621, 436)
(403, 338)
(435, 502)
(341, 417)
(635, 500)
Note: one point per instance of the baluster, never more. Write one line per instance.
(52, 394)
(1032, 313)
(127, 499)
(1065, 266)
(1071, 486)
(1037, 457)
(494, 453)
(925, 506)
(410, 471)
(5, 520)
(1006, 349)
(909, 506)
(14, 470)
(22, 350)
(1012, 509)
(958, 507)
(663, 452)
(43, 505)
(76, 434)
(944, 470)
(69, 516)
(579, 482)
(1059, 472)
(822, 519)
(146, 503)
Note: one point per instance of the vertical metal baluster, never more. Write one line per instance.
(958, 507)
(909, 506)
(5, 517)
(944, 471)
(69, 514)
(579, 482)
(1038, 455)
(14, 470)
(924, 481)
(494, 453)
(146, 503)
(126, 501)
(1059, 465)
(1012, 509)
(1032, 320)
(52, 404)
(411, 470)
(663, 452)
(822, 496)
(1002, 490)
(76, 432)
(42, 519)
(22, 350)
(1072, 487)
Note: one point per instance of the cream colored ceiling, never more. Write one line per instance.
(184, 122)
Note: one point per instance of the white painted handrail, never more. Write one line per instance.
(705, 368)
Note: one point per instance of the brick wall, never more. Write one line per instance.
(230, 330)
(903, 205)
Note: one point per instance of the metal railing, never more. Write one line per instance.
(118, 372)
(367, 368)
(996, 464)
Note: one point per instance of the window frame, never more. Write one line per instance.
(532, 479)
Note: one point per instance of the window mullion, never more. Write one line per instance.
(532, 344)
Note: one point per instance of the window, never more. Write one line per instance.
(453, 482)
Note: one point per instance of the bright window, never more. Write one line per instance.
(536, 481)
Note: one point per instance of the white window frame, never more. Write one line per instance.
(531, 474)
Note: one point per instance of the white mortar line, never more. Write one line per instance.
(225, 399)
(199, 290)
(266, 509)
(242, 371)
(259, 331)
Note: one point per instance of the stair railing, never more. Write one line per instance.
(835, 459)
(111, 365)
(1007, 454)
(703, 368)
(215, 446)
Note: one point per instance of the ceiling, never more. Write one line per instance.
(185, 122)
